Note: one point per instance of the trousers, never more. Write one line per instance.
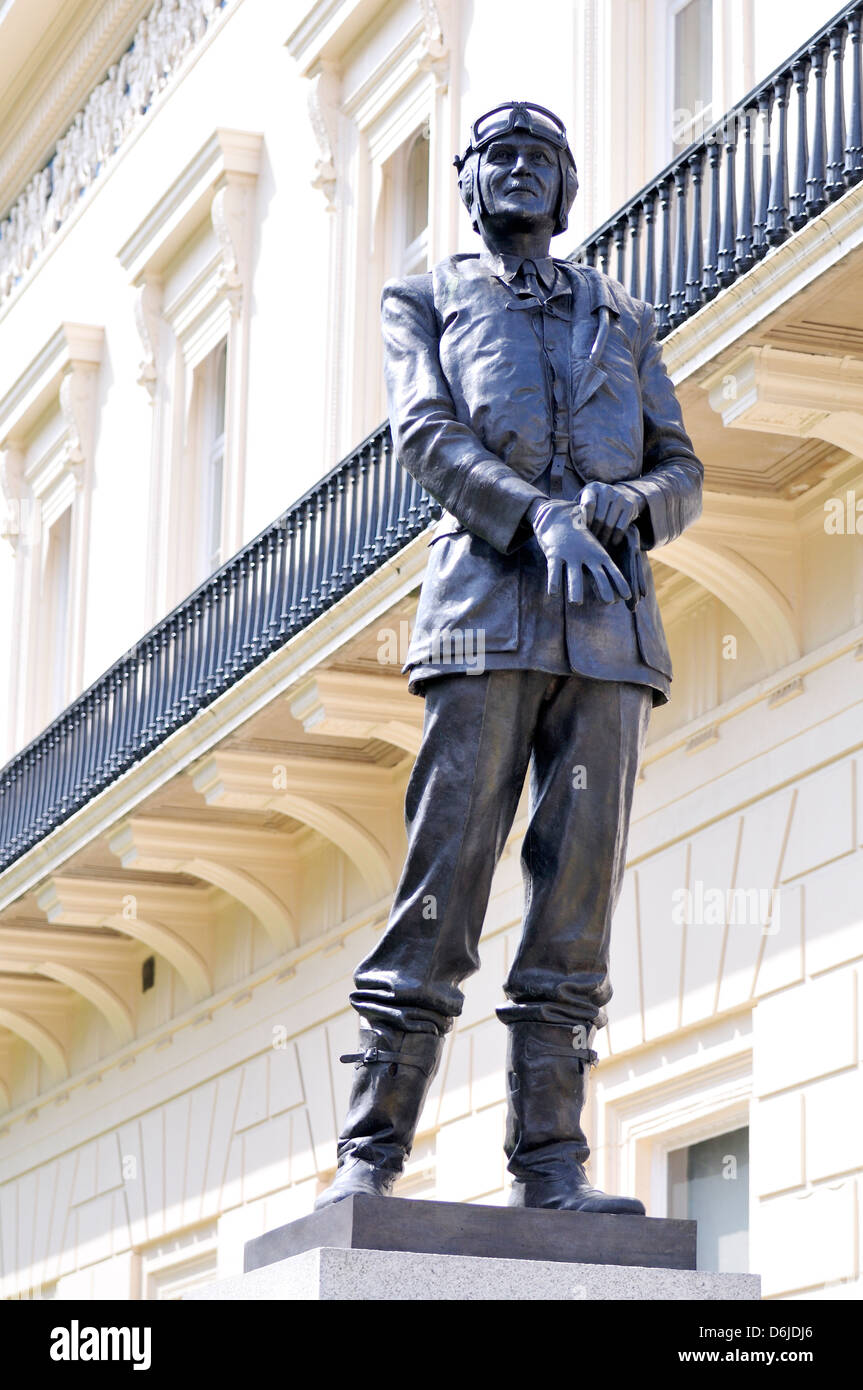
(581, 740)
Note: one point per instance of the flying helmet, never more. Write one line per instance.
(516, 115)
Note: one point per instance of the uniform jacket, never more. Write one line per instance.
(474, 427)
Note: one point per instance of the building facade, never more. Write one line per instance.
(205, 732)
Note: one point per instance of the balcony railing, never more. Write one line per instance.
(718, 208)
(340, 531)
(368, 507)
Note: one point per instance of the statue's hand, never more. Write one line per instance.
(567, 544)
(609, 511)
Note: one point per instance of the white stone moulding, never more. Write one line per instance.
(76, 73)
(228, 157)
(802, 394)
(63, 900)
(162, 43)
(64, 370)
(329, 27)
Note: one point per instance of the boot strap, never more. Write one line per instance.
(582, 1054)
(378, 1054)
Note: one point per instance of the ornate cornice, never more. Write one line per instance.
(110, 30)
(163, 42)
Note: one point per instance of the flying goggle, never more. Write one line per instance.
(518, 115)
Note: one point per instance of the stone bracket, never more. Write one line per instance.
(804, 395)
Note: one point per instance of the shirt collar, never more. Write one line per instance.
(506, 267)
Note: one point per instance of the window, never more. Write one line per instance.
(48, 422)
(692, 48)
(708, 1182)
(189, 262)
(182, 1261)
(416, 200)
(212, 454)
(54, 614)
(201, 500)
(403, 211)
(399, 246)
(174, 1280)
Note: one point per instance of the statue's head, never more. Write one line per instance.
(518, 166)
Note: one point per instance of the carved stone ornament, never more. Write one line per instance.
(230, 223)
(13, 490)
(77, 400)
(160, 47)
(323, 114)
(148, 302)
(435, 55)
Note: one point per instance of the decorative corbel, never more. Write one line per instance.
(230, 217)
(78, 408)
(13, 488)
(324, 94)
(435, 48)
(148, 305)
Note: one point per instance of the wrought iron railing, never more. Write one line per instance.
(718, 208)
(340, 531)
(368, 507)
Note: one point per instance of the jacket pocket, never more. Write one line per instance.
(469, 602)
(651, 635)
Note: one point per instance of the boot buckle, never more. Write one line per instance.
(372, 1054)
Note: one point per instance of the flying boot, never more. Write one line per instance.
(394, 1071)
(547, 1070)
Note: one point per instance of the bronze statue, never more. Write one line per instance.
(529, 397)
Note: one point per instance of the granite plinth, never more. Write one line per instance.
(458, 1228)
(345, 1275)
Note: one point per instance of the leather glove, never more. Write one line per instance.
(567, 544)
(630, 559)
(609, 510)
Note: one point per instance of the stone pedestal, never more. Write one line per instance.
(328, 1275)
(376, 1248)
(459, 1228)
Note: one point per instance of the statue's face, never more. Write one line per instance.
(519, 178)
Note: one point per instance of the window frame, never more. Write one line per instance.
(47, 427)
(701, 121)
(732, 1128)
(641, 1119)
(725, 36)
(189, 263)
(207, 446)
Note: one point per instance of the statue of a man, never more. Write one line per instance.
(529, 397)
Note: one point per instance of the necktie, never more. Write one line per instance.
(531, 281)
